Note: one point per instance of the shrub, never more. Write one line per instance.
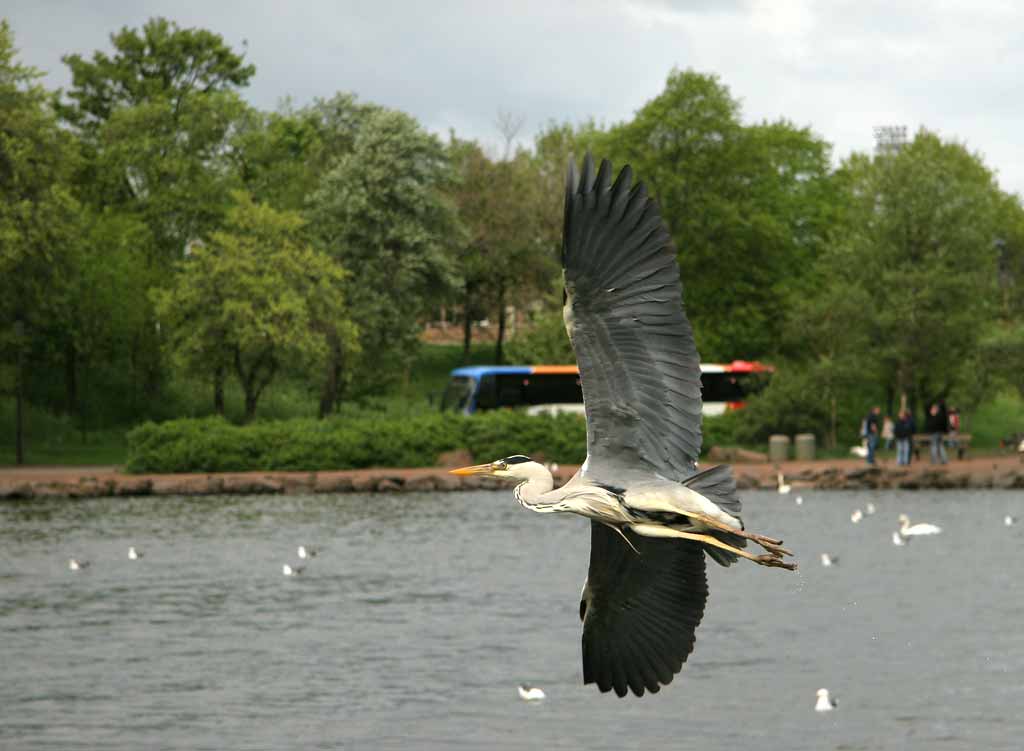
(366, 439)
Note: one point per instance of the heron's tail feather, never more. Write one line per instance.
(719, 486)
(721, 557)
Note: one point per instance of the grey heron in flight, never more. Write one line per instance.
(653, 515)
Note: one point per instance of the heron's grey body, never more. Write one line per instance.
(653, 516)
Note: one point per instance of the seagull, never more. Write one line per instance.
(1009, 521)
(856, 516)
(309, 552)
(799, 500)
(290, 571)
(897, 539)
(783, 487)
(829, 560)
(869, 509)
(917, 530)
(76, 565)
(530, 693)
(825, 703)
(134, 554)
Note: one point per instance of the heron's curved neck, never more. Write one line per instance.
(539, 481)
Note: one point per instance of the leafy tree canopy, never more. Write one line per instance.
(744, 205)
(381, 211)
(253, 298)
(160, 61)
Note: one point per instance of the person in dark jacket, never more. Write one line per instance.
(936, 425)
(903, 431)
(873, 428)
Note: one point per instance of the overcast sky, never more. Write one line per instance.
(838, 67)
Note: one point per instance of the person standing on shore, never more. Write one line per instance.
(936, 425)
(953, 425)
(903, 431)
(887, 432)
(872, 430)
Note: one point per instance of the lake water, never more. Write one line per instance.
(422, 613)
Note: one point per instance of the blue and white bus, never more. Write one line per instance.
(556, 388)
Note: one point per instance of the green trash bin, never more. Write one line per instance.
(778, 448)
(804, 445)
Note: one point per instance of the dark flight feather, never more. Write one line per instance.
(640, 611)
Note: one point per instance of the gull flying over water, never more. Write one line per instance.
(78, 565)
(653, 517)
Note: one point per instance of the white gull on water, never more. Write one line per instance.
(530, 693)
(824, 703)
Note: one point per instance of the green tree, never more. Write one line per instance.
(746, 205)
(510, 254)
(39, 225)
(155, 118)
(902, 297)
(920, 231)
(381, 211)
(278, 156)
(254, 297)
(160, 62)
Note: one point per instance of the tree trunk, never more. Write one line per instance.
(19, 414)
(218, 390)
(248, 386)
(498, 354)
(331, 391)
(71, 378)
(467, 322)
(467, 335)
(251, 397)
(833, 433)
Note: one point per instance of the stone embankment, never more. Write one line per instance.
(1003, 472)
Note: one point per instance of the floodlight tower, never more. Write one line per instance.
(889, 139)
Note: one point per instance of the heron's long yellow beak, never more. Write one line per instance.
(476, 469)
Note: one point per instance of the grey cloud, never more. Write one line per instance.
(839, 68)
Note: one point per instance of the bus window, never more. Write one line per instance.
(458, 394)
(519, 390)
(553, 389)
(730, 387)
(721, 387)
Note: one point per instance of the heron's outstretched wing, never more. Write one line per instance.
(624, 313)
(639, 611)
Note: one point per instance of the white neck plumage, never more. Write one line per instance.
(539, 482)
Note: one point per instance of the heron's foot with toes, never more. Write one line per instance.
(775, 561)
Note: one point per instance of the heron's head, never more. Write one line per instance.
(903, 519)
(516, 467)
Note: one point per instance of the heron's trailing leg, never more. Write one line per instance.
(768, 543)
(769, 559)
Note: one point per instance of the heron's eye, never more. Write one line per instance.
(500, 466)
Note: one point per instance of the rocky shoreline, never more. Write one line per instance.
(1003, 472)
